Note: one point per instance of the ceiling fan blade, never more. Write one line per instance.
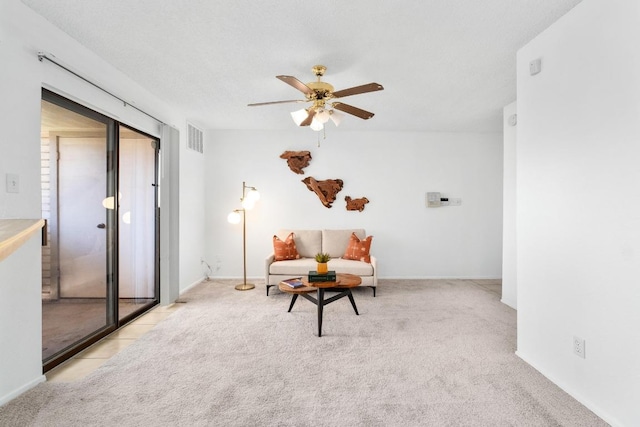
(369, 87)
(350, 109)
(276, 102)
(290, 80)
(309, 119)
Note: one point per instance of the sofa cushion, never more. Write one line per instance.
(286, 249)
(335, 242)
(360, 268)
(302, 266)
(296, 267)
(308, 242)
(358, 249)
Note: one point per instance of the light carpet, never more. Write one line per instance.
(421, 353)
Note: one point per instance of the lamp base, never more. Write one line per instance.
(245, 286)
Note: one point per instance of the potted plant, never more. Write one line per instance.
(322, 259)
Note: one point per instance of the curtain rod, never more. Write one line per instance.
(42, 56)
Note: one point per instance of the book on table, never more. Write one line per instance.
(329, 276)
(294, 282)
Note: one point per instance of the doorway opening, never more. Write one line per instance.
(99, 198)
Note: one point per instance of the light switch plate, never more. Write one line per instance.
(13, 183)
(535, 66)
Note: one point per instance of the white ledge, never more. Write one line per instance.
(14, 232)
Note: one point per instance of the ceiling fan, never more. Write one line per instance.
(321, 95)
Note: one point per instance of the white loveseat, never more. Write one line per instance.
(309, 243)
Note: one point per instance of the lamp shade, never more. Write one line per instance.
(336, 117)
(299, 116)
(322, 116)
(253, 194)
(248, 203)
(234, 217)
(316, 125)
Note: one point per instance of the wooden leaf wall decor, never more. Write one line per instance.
(326, 190)
(356, 204)
(297, 160)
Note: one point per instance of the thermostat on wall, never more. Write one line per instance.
(433, 200)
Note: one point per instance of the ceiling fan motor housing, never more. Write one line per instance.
(322, 90)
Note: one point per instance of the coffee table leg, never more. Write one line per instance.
(293, 301)
(320, 307)
(353, 302)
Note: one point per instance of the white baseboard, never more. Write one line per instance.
(17, 392)
(573, 393)
(197, 282)
(254, 280)
(508, 304)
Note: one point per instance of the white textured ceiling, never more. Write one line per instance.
(446, 65)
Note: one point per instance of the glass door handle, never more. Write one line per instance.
(102, 225)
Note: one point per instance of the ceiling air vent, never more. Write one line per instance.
(194, 138)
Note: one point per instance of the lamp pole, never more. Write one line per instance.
(244, 286)
(248, 200)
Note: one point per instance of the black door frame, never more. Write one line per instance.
(112, 321)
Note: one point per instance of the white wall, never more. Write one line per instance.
(393, 170)
(20, 321)
(22, 35)
(192, 217)
(579, 206)
(509, 233)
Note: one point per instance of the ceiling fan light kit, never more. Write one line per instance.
(299, 116)
(320, 94)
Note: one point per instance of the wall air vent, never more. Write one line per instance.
(194, 138)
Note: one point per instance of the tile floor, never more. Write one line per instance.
(69, 320)
(93, 357)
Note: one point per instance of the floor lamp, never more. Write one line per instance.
(248, 200)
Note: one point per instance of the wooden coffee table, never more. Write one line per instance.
(343, 284)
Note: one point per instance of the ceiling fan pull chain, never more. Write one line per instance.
(324, 135)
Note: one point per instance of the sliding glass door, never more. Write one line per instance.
(78, 261)
(136, 221)
(99, 200)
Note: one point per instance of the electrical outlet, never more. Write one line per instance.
(578, 347)
(13, 183)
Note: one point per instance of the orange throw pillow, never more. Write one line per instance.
(285, 250)
(358, 250)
